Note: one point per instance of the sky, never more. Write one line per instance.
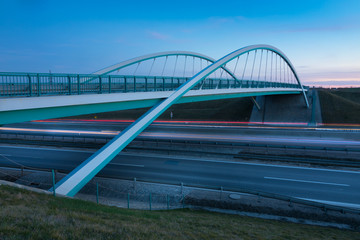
(320, 37)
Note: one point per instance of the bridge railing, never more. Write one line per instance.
(39, 84)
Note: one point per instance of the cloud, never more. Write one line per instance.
(219, 21)
(332, 79)
(158, 36)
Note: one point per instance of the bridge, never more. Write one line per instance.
(156, 80)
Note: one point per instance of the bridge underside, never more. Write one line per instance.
(15, 110)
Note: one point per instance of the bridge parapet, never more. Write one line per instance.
(43, 84)
(255, 67)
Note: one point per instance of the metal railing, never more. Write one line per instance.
(38, 84)
(150, 200)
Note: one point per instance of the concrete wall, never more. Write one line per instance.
(288, 108)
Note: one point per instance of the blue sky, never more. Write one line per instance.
(321, 38)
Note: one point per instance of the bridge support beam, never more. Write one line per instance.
(255, 103)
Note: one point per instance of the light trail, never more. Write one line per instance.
(264, 125)
(193, 136)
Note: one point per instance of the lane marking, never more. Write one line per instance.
(339, 204)
(127, 165)
(5, 155)
(305, 181)
(194, 160)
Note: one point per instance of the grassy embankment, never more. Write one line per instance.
(30, 215)
(340, 105)
(218, 110)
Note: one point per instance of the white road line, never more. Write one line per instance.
(340, 204)
(5, 155)
(127, 165)
(305, 181)
(198, 160)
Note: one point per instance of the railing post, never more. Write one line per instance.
(125, 85)
(30, 85)
(69, 84)
(128, 200)
(134, 84)
(150, 201)
(154, 83)
(97, 193)
(183, 201)
(163, 84)
(78, 84)
(109, 84)
(38, 84)
(146, 84)
(100, 84)
(167, 202)
(53, 182)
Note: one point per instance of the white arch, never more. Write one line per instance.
(75, 180)
(132, 61)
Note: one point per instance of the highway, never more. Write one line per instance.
(336, 187)
(332, 186)
(289, 135)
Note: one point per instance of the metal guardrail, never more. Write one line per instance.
(38, 84)
(350, 162)
(291, 200)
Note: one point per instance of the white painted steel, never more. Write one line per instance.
(86, 171)
(132, 61)
(12, 104)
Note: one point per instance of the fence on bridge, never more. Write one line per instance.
(39, 84)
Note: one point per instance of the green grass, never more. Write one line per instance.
(217, 110)
(340, 105)
(29, 215)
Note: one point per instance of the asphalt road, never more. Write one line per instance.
(289, 135)
(331, 186)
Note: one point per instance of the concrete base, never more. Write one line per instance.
(288, 108)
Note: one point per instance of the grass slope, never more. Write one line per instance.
(340, 105)
(29, 215)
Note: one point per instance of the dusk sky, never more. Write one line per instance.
(320, 37)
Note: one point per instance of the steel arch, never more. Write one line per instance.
(75, 180)
(227, 58)
(132, 61)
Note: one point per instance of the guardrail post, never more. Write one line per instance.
(97, 192)
(167, 202)
(134, 84)
(78, 84)
(183, 201)
(150, 201)
(128, 200)
(53, 182)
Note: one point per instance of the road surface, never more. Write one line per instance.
(331, 186)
